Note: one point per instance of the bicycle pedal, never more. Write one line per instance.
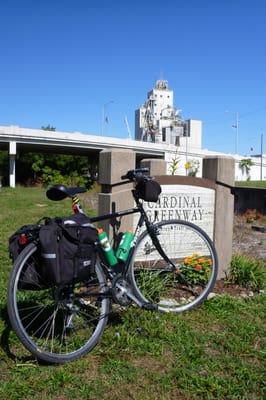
(150, 307)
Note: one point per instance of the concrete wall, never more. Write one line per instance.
(250, 198)
(199, 154)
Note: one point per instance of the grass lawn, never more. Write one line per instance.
(214, 352)
(251, 184)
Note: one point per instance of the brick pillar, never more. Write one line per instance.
(222, 169)
(112, 165)
(156, 166)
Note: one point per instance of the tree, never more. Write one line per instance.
(3, 167)
(49, 169)
(245, 165)
(48, 128)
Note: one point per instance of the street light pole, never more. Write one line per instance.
(236, 127)
(261, 155)
(104, 115)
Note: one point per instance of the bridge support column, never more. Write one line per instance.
(12, 164)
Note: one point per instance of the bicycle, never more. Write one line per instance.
(172, 267)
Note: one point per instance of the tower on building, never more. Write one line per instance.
(158, 121)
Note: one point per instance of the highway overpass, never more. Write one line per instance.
(15, 140)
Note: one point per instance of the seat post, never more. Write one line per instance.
(76, 206)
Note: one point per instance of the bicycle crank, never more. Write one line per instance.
(123, 293)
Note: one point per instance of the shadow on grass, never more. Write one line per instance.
(115, 318)
(5, 339)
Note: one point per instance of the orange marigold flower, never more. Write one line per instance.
(198, 267)
(201, 260)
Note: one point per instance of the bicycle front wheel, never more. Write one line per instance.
(57, 324)
(185, 282)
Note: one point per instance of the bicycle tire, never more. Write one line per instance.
(187, 284)
(57, 325)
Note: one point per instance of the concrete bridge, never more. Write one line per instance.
(15, 139)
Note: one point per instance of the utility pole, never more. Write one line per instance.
(105, 119)
(237, 127)
(261, 155)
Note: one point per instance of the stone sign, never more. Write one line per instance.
(194, 204)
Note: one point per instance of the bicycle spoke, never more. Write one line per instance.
(187, 280)
(60, 323)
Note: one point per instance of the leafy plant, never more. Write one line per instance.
(48, 128)
(192, 167)
(196, 269)
(3, 166)
(174, 164)
(152, 284)
(248, 272)
(49, 169)
(245, 165)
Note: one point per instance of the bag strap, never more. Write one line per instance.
(68, 235)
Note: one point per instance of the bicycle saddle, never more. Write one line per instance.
(60, 192)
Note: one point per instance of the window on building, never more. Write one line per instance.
(164, 134)
(186, 130)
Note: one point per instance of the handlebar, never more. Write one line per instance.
(137, 174)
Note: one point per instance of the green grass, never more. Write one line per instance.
(214, 352)
(251, 184)
(248, 272)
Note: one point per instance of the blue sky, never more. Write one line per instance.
(62, 60)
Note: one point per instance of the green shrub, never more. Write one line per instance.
(52, 176)
(248, 272)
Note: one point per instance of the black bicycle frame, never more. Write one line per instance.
(143, 218)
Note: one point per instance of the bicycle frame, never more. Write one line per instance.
(142, 219)
(111, 272)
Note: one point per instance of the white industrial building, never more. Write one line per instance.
(159, 121)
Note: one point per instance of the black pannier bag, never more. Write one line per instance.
(68, 250)
(30, 278)
(148, 190)
(22, 237)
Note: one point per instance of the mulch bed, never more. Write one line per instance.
(223, 287)
(248, 241)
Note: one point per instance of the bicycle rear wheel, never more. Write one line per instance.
(186, 282)
(57, 324)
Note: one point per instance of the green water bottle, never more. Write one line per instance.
(107, 248)
(124, 246)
